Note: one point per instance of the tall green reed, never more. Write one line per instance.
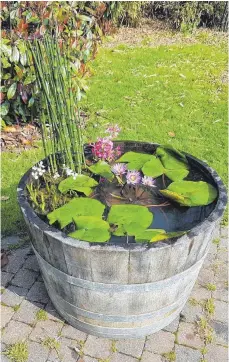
(60, 117)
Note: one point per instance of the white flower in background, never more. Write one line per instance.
(38, 170)
(74, 175)
(56, 175)
(70, 172)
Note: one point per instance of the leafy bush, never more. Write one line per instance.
(187, 15)
(72, 22)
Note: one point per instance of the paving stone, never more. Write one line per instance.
(38, 293)
(191, 313)
(187, 354)
(216, 353)
(131, 347)
(160, 342)
(221, 292)
(97, 347)
(22, 292)
(15, 331)
(31, 263)
(52, 313)
(150, 357)
(6, 314)
(24, 278)
(27, 312)
(221, 311)
(172, 327)
(187, 335)
(87, 359)
(37, 353)
(224, 242)
(10, 240)
(16, 260)
(66, 352)
(222, 254)
(5, 359)
(118, 357)
(73, 333)
(6, 278)
(44, 329)
(10, 298)
(221, 274)
(221, 332)
(206, 276)
(224, 231)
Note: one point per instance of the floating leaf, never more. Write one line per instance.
(191, 193)
(147, 235)
(171, 158)
(91, 228)
(81, 183)
(176, 175)
(11, 90)
(81, 206)
(103, 169)
(153, 235)
(92, 235)
(153, 168)
(125, 216)
(135, 160)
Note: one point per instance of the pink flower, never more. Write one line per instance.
(148, 181)
(119, 169)
(133, 177)
(103, 148)
(113, 131)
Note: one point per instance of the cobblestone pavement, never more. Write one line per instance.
(199, 334)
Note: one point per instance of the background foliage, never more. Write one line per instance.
(83, 24)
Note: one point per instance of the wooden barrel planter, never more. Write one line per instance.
(122, 290)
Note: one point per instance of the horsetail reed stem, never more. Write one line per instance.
(60, 111)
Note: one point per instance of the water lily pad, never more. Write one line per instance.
(129, 217)
(191, 193)
(81, 206)
(135, 160)
(153, 235)
(81, 183)
(92, 235)
(172, 159)
(103, 169)
(88, 227)
(153, 167)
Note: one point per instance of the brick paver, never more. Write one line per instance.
(23, 294)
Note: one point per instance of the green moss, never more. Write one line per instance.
(204, 350)
(51, 343)
(205, 331)
(193, 302)
(210, 286)
(17, 352)
(42, 315)
(4, 304)
(3, 290)
(113, 347)
(216, 241)
(16, 307)
(170, 356)
(209, 307)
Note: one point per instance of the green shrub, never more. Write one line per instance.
(72, 22)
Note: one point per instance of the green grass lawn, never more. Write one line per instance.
(149, 92)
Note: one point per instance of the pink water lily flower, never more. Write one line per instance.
(119, 169)
(148, 181)
(133, 177)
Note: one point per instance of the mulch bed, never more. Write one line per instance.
(17, 138)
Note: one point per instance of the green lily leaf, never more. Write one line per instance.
(11, 90)
(90, 222)
(81, 183)
(153, 168)
(92, 235)
(171, 159)
(125, 216)
(147, 235)
(176, 175)
(103, 169)
(91, 228)
(135, 160)
(153, 235)
(191, 193)
(81, 206)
